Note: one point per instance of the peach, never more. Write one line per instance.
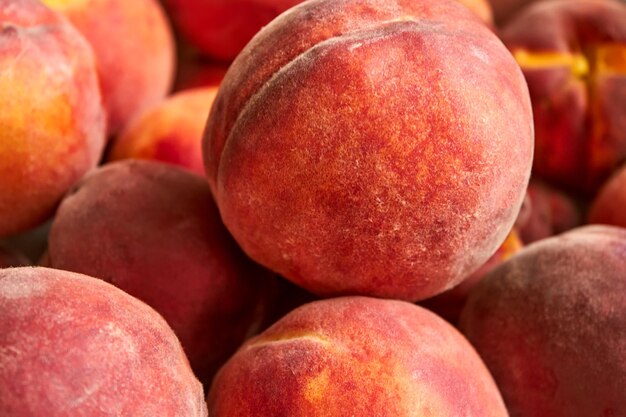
(349, 155)
(52, 119)
(449, 304)
(504, 10)
(76, 346)
(169, 132)
(11, 258)
(608, 205)
(356, 356)
(481, 8)
(153, 230)
(551, 212)
(551, 325)
(134, 47)
(573, 55)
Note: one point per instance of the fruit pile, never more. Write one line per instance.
(333, 208)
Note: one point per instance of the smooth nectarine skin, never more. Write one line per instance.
(169, 132)
(51, 119)
(608, 206)
(551, 325)
(573, 54)
(153, 230)
(356, 356)
(134, 47)
(349, 154)
(74, 346)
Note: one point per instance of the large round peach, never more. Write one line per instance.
(349, 154)
(573, 54)
(169, 132)
(608, 205)
(356, 356)
(52, 120)
(73, 345)
(134, 49)
(551, 325)
(153, 230)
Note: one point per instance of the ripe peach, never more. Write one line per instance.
(551, 325)
(450, 303)
(573, 54)
(169, 132)
(608, 206)
(481, 8)
(52, 120)
(153, 230)
(356, 356)
(134, 47)
(11, 258)
(349, 155)
(551, 212)
(71, 345)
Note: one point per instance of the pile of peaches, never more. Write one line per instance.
(326, 208)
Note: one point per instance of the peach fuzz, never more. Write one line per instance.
(52, 119)
(134, 48)
(573, 54)
(552, 212)
(169, 132)
(608, 205)
(153, 230)
(347, 154)
(73, 345)
(356, 356)
(449, 304)
(551, 325)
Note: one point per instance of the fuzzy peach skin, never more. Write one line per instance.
(356, 356)
(135, 50)
(74, 346)
(349, 154)
(552, 212)
(573, 54)
(608, 205)
(169, 132)
(551, 325)
(11, 258)
(153, 230)
(449, 304)
(51, 119)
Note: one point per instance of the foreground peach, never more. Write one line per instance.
(11, 258)
(153, 230)
(73, 345)
(551, 325)
(169, 132)
(134, 48)
(356, 356)
(551, 212)
(573, 54)
(351, 156)
(608, 205)
(450, 303)
(52, 120)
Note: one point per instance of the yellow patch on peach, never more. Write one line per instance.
(64, 4)
(316, 387)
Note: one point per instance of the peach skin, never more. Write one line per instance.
(349, 155)
(356, 356)
(169, 132)
(75, 346)
(573, 54)
(550, 324)
(134, 48)
(608, 205)
(52, 122)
